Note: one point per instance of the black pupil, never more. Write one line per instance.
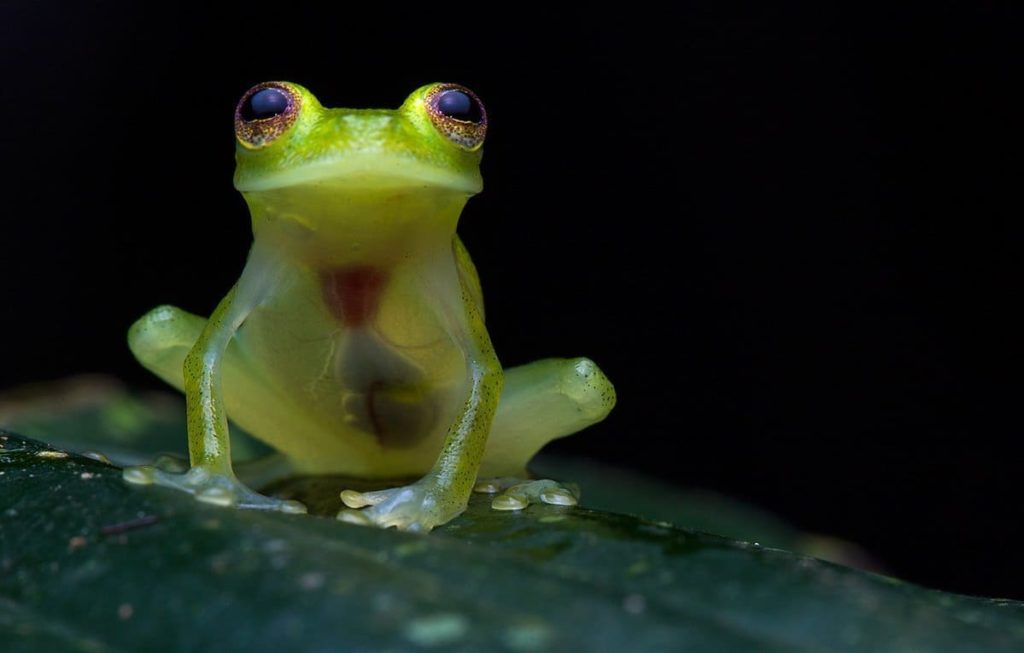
(459, 105)
(265, 103)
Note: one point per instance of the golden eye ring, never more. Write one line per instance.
(265, 112)
(458, 114)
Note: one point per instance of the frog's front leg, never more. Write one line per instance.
(444, 492)
(211, 478)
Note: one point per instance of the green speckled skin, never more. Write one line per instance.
(354, 340)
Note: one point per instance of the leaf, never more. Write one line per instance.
(96, 413)
(89, 563)
(611, 489)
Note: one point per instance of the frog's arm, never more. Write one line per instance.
(444, 492)
(208, 442)
(541, 401)
(456, 468)
(211, 477)
(468, 274)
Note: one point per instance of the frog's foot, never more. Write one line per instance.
(418, 507)
(516, 494)
(206, 486)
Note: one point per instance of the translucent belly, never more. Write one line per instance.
(362, 365)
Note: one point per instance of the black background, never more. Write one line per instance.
(784, 233)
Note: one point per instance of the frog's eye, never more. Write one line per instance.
(265, 112)
(457, 113)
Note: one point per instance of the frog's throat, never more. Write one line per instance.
(326, 227)
(372, 171)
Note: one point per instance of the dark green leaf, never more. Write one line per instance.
(89, 563)
(96, 413)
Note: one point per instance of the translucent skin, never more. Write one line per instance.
(354, 341)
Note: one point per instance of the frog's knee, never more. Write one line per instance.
(163, 327)
(161, 338)
(583, 382)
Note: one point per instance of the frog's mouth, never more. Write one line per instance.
(361, 173)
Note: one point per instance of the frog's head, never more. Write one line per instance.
(350, 172)
(286, 138)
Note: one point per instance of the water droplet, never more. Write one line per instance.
(96, 455)
(275, 546)
(437, 629)
(527, 637)
(634, 603)
(312, 580)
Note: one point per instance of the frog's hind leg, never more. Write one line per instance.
(541, 401)
(162, 338)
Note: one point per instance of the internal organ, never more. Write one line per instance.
(353, 293)
(384, 393)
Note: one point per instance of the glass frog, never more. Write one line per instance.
(354, 341)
